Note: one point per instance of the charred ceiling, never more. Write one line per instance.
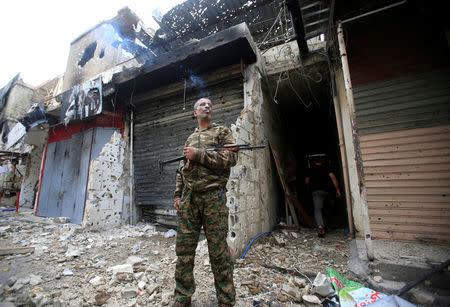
(225, 48)
(201, 18)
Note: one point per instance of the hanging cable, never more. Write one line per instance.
(184, 95)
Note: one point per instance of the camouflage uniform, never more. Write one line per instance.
(201, 187)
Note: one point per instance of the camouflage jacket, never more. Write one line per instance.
(210, 169)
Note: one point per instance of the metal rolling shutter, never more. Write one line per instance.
(420, 100)
(160, 131)
(404, 131)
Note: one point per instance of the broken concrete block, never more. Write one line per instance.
(292, 291)
(101, 298)
(141, 285)
(67, 272)
(61, 220)
(311, 300)
(130, 292)
(72, 252)
(300, 282)
(97, 281)
(170, 233)
(24, 300)
(139, 275)
(322, 285)
(378, 279)
(152, 288)
(135, 260)
(122, 268)
(35, 280)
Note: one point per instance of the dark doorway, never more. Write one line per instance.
(306, 112)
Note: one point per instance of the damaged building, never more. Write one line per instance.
(367, 85)
(17, 101)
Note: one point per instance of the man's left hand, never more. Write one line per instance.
(189, 152)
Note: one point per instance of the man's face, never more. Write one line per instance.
(204, 109)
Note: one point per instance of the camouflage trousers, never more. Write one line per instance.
(207, 209)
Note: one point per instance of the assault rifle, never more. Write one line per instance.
(231, 147)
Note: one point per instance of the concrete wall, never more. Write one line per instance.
(30, 180)
(20, 99)
(109, 47)
(108, 201)
(252, 209)
(100, 39)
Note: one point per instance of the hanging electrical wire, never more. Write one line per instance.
(285, 34)
(270, 29)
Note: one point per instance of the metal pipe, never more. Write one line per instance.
(351, 104)
(374, 11)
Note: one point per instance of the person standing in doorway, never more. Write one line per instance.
(200, 201)
(317, 182)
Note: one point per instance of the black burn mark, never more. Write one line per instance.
(88, 54)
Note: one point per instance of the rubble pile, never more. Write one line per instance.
(50, 262)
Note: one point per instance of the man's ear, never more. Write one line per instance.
(195, 113)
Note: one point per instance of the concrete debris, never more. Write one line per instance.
(135, 261)
(72, 252)
(134, 266)
(101, 298)
(378, 279)
(67, 272)
(35, 280)
(97, 281)
(170, 233)
(141, 285)
(61, 220)
(311, 300)
(322, 285)
(280, 239)
(293, 292)
(166, 297)
(122, 268)
(130, 292)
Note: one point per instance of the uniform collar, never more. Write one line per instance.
(209, 127)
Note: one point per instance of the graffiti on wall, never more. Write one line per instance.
(82, 101)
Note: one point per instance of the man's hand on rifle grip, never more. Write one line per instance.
(189, 152)
(176, 204)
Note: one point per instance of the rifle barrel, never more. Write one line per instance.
(179, 158)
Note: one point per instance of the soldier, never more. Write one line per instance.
(200, 200)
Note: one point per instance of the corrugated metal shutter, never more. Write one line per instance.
(415, 101)
(161, 129)
(401, 84)
(63, 191)
(407, 177)
(407, 168)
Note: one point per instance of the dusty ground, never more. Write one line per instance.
(71, 266)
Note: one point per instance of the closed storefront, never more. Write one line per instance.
(162, 125)
(401, 84)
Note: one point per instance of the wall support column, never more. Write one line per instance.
(351, 105)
